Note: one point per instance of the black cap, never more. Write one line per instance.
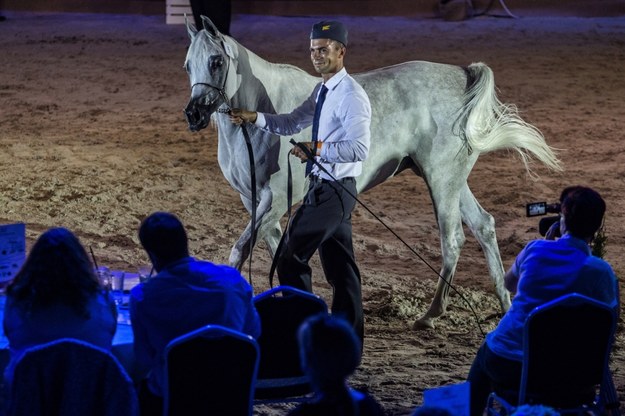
(329, 30)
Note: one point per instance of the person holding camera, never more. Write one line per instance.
(554, 231)
(545, 269)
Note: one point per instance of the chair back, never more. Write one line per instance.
(70, 377)
(282, 310)
(567, 344)
(210, 371)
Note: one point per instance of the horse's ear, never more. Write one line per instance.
(191, 30)
(210, 27)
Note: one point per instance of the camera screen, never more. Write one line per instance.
(536, 208)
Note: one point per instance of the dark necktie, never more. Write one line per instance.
(315, 126)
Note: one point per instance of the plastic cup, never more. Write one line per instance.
(117, 286)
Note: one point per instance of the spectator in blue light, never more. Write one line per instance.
(544, 270)
(184, 295)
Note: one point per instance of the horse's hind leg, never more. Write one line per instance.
(445, 197)
(482, 225)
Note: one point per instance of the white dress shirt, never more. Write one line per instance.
(344, 125)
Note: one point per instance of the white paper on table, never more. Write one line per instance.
(12, 250)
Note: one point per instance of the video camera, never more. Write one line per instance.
(535, 209)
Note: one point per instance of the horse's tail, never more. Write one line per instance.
(488, 124)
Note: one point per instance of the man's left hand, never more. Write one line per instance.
(296, 151)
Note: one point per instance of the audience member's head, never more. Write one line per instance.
(535, 410)
(431, 411)
(57, 271)
(329, 351)
(164, 238)
(567, 191)
(582, 209)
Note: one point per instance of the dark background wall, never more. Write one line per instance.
(314, 7)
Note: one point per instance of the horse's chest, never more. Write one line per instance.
(234, 161)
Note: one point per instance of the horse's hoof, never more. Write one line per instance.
(423, 323)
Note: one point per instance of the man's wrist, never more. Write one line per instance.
(318, 149)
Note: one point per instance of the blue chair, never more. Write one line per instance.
(70, 377)
(210, 371)
(282, 310)
(566, 352)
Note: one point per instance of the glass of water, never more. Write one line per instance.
(104, 276)
(145, 273)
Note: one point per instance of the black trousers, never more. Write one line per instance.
(219, 11)
(149, 404)
(489, 370)
(324, 222)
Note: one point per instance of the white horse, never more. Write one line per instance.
(431, 118)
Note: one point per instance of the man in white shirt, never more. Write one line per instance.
(340, 114)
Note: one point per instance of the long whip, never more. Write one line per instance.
(309, 154)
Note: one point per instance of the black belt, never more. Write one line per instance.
(317, 179)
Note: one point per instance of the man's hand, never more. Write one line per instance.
(553, 232)
(296, 151)
(239, 116)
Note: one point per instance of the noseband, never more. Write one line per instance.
(221, 91)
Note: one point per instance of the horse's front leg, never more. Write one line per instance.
(241, 249)
(272, 233)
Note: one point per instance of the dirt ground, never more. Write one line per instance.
(92, 137)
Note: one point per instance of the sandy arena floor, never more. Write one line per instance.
(92, 137)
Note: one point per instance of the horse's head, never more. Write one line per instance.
(207, 65)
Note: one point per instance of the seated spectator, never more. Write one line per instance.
(56, 294)
(544, 270)
(431, 411)
(184, 295)
(330, 353)
(535, 410)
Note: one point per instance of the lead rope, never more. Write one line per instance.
(250, 153)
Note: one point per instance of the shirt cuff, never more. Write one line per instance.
(260, 120)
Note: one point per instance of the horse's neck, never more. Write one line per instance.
(264, 84)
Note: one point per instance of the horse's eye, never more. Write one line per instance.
(216, 62)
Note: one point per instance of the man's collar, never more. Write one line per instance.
(576, 242)
(335, 79)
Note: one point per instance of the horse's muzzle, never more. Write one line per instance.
(197, 115)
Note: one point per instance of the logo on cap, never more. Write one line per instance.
(325, 27)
